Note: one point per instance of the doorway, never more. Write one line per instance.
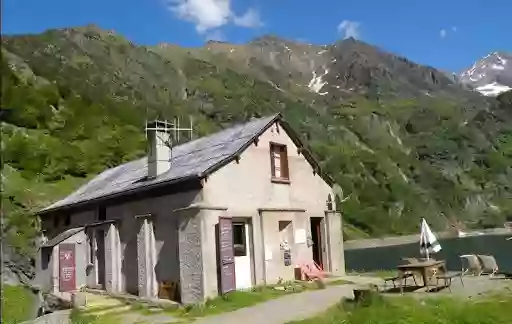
(242, 250)
(317, 240)
(100, 257)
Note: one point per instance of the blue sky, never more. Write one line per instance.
(447, 34)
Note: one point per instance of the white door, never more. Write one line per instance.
(242, 249)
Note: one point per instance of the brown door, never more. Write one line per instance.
(67, 280)
(226, 255)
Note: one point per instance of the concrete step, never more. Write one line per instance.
(113, 310)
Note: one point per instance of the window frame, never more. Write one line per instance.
(102, 213)
(284, 163)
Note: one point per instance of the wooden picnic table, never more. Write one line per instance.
(423, 267)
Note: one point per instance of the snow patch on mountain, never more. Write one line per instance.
(316, 84)
(492, 89)
(490, 75)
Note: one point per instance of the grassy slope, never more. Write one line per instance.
(484, 310)
(16, 304)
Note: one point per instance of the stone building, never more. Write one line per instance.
(238, 208)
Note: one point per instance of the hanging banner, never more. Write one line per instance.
(67, 279)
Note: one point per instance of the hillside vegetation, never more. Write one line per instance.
(403, 140)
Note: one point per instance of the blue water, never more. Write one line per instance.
(388, 257)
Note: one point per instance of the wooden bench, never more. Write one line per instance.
(394, 279)
(447, 277)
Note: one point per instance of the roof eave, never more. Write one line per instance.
(119, 194)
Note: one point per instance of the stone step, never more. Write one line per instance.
(120, 309)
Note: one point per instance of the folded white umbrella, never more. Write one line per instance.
(428, 241)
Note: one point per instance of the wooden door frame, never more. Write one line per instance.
(319, 245)
(250, 242)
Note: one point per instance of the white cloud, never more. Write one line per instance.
(209, 15)
(443, 33)
(251, 19)
(205, 14)
(349, 29)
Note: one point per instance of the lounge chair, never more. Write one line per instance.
(489, 264)
(447, 277)
(311, 271)
(471, 264)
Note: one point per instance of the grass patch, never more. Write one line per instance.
(240, 299)
(495, 309)
(337, 282)
(377, 273)
(17, 303)
(80, 317)
(232, 301)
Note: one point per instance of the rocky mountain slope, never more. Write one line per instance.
(403, 140)
(491, 75)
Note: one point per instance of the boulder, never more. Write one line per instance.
(54, 303)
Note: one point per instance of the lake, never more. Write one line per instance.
(388, 257)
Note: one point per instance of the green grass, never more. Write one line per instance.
(227, 303)
(240, 299)
(377, 273)
(495, 309)
(16, 304)
(80, 317)
(337, 282)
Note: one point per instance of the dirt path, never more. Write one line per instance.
(284, 309)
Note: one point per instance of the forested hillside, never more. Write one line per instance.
(404, 141)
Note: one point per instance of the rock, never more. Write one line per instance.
(16, 268)
(9, 277)
(78, 300)
(54, 303)
(162, 303)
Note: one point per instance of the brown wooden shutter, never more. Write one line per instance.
(272, 162)
(284, 163)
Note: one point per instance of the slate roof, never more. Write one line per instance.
(194, 159)
(62, 236)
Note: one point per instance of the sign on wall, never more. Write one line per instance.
(226, 255)
(67, 279)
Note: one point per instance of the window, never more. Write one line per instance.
(102, 213)
(239, 241)
(279, 162)
(91, 248)
(329, 202)
(67, 220)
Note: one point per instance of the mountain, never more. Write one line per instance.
(403, 140)
(490, 75)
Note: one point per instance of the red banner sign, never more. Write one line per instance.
(67, 280)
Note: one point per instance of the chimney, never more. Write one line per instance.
(159, 154)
